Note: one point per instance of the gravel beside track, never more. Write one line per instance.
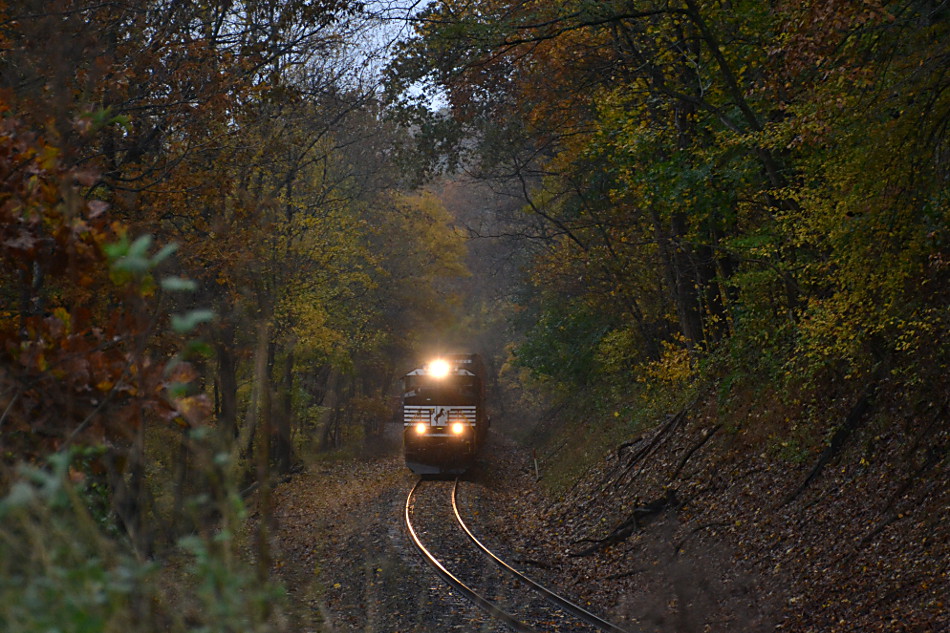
(342, 549)
(434, 522)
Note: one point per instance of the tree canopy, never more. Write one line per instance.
(765, 175)
(226, 228)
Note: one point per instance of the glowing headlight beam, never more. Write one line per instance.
(421, 428)
(458, 428)
(439, 368)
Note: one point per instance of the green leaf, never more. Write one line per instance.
(21, 494)
(125, 122)
(163, 254)
(184, 323)
(178, 389)
(140, 246)
(118, 249)
(199, 348)
(134, 265)
(178, 284)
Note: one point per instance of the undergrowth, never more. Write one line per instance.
(769, 400)
(578, 433)
(61, 571)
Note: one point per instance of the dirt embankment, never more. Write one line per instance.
(690, 527)
(695, 526)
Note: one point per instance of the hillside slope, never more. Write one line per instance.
(700, 524)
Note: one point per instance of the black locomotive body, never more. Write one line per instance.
(443, 412)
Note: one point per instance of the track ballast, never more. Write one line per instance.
(448, 545)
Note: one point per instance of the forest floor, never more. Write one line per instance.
(686, 528)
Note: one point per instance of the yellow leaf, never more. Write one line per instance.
(48, 157)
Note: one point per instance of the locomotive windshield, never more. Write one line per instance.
(437, 390)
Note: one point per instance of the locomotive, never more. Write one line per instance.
(443, 413)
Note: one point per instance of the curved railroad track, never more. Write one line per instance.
(554, 613)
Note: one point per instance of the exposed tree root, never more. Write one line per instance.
(706, 435)
(935, 455)
(629, 467)
(645, 449)
(639, 517)
(851, 423)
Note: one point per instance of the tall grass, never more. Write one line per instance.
(62, 571)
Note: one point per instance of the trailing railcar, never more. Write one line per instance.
(443, 412)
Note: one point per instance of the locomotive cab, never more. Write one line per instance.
(443, 414)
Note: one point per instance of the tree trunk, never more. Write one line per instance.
(715, 318)
(677, 271)
(226, 383)
(283, 447)
(249, 432)
(126, 468)
(268, 426)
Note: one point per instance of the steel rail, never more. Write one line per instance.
(449, 578)
(552, 597)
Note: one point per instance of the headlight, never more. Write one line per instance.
(439, 368)
(458, 428)
(421, 428)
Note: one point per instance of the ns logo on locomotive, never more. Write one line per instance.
(443, 413)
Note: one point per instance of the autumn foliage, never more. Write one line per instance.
(75, 325)
(204, 248)
(712, 177)
(229, 134)
(212, 265)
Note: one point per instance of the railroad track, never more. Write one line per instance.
(511, 590)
